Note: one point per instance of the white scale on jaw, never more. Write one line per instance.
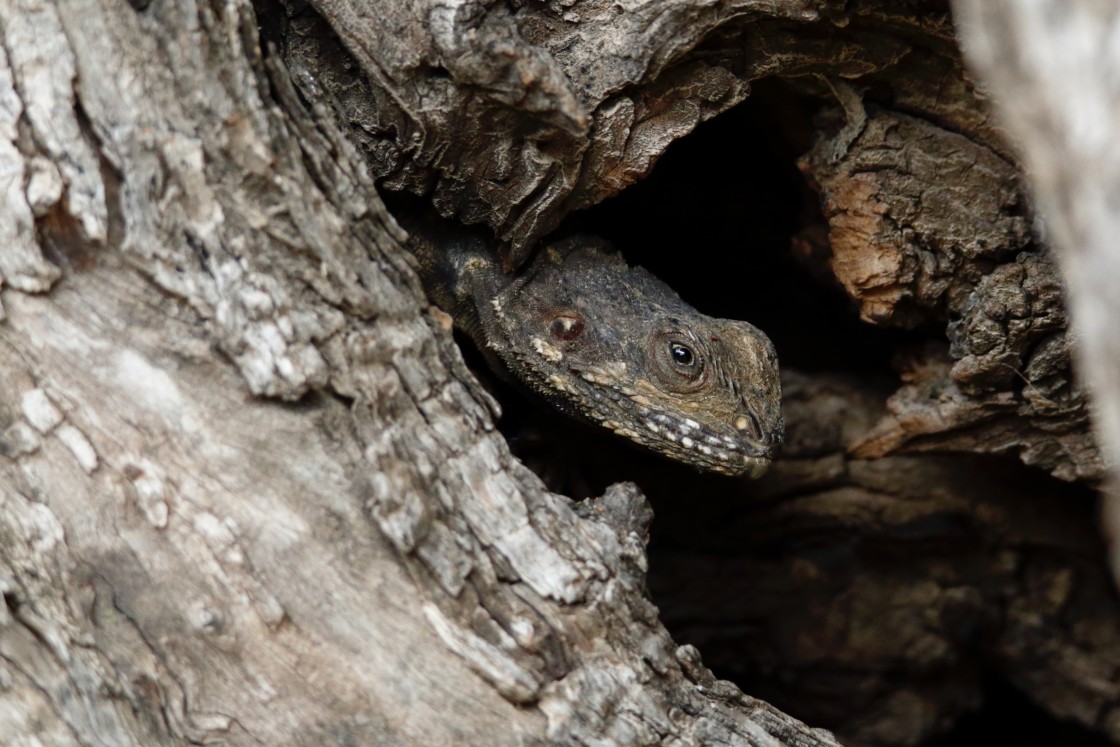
(687, 432)
(606, 385)
(549, 352)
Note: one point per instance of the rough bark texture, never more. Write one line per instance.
(927, 220)
(930, 226)
(1063, 114)
(249, 493)
(516, 116)
(184, 563)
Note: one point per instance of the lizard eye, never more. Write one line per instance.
(679, 364)
(566, 327)
(681, 354)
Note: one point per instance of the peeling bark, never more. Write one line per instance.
(931, 226)
(602, 91)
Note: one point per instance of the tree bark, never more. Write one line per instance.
(1062, 115)
(250, 493)
(186, 563)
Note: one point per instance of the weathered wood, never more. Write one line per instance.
(184, 562)
(516, 116)
(928, 225)
(1051, 70)
(249, 492)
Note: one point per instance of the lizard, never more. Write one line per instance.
(610, 343)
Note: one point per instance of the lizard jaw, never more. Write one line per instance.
(633, 416)
(703, 446)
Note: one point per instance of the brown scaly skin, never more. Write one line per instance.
(612, 344)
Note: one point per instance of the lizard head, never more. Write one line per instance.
(612, 344)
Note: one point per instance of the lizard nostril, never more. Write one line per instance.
(749, 423)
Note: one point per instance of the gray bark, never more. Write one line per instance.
(250, 493)
(187, 559)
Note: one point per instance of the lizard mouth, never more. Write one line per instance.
(682, 438)
(731, 455)
(602, 396)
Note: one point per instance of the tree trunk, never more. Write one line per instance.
(250, 493)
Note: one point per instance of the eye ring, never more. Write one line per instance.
(566, 327)
(677, 358)
(685, 361)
